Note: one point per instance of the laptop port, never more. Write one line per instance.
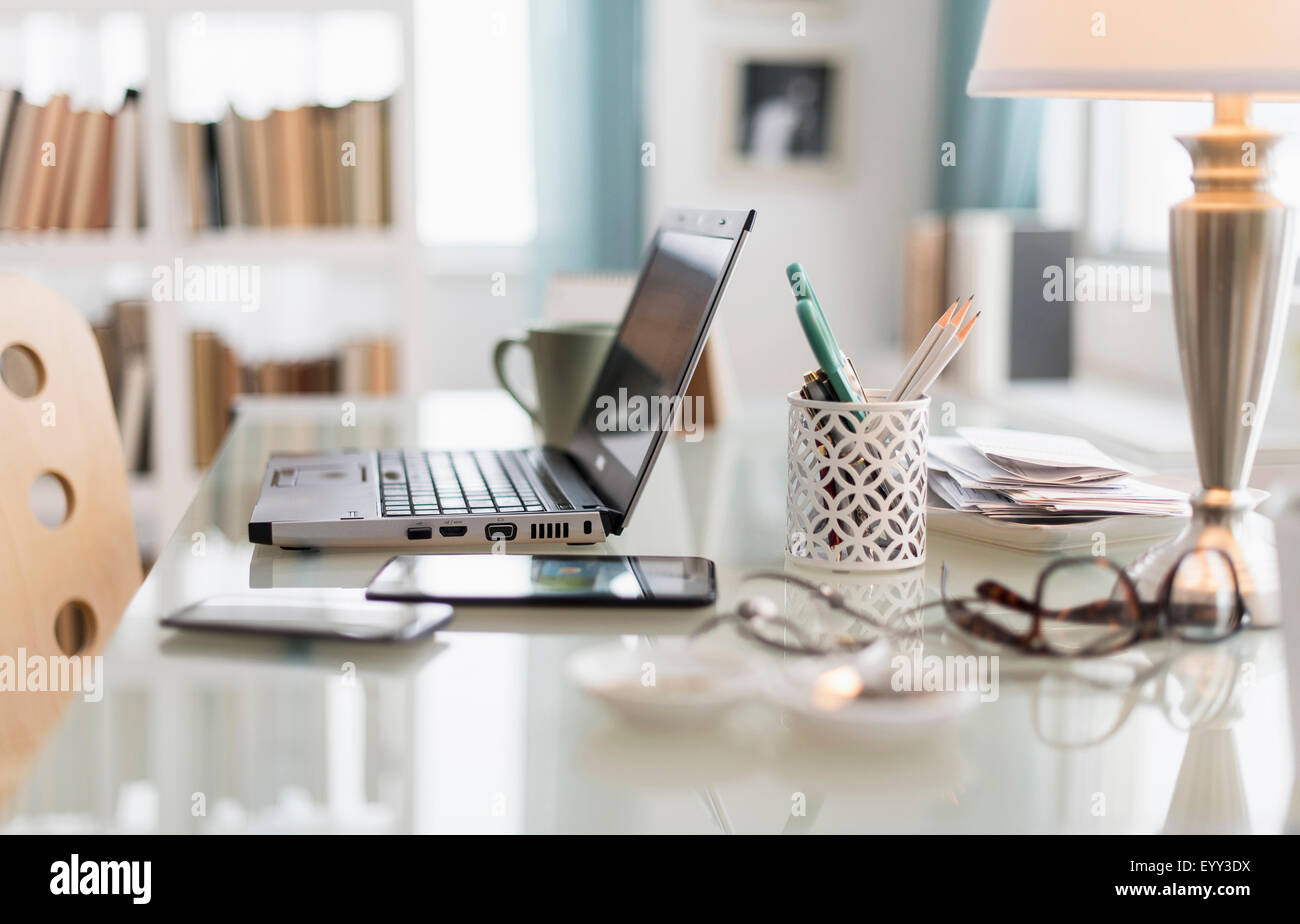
(495, 531)
(453, 530)
(419, 532)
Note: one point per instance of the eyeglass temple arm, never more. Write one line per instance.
(802, 644)
(1000, 593)
(1099, 612)
(831, 598)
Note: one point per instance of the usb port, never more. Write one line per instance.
(419, 532)
(497, 531)
(453, 530)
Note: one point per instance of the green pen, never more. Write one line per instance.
(801, 284)
(839, 372)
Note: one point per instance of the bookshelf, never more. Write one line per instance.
(161, 496)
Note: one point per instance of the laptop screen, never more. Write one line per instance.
(636, 397)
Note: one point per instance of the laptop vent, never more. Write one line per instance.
(548, 531)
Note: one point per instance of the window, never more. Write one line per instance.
(1139, 170)
(473, 123)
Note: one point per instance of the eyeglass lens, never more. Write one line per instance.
(1087, 606)
(1203, 602)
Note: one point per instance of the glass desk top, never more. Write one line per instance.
(480, 729)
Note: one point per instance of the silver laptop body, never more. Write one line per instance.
(579, 493)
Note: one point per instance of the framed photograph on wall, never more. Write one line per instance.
(785, 114)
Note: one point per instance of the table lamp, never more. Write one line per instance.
(1231, 245)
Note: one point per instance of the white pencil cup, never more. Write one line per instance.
(856, 484)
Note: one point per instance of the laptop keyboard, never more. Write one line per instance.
(415, 483)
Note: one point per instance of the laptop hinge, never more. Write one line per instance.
(610, 520)
(573, 482)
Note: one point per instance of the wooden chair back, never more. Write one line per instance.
(63, 587)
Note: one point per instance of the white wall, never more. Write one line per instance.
(465, 322)
(847, 233)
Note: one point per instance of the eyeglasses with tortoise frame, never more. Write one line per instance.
(1128, 618)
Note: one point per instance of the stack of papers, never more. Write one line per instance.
(1038, 477)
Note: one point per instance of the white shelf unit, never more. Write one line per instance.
(162, 496)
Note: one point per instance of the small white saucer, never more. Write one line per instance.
(670, 683)
(824, 698)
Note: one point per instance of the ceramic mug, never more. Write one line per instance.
(566, 360)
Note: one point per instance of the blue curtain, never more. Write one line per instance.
(997, 139)
(587, 131)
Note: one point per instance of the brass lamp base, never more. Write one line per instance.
(1232, 261)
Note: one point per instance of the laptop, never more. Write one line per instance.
(579, 493)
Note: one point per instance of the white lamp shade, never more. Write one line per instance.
(1139, 49)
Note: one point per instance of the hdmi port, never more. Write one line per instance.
(453, 530)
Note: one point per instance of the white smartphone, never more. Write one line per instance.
(327, 614)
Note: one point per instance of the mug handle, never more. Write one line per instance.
(499, 364)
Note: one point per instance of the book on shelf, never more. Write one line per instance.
(360, 367)
(9, 100)
(189, 145)
(41, 171)
(231, 168)
(370, 124)
(126, 208)
(925, 277)
(68, 169)
(312, 166)
(99, 194)
(255, 140)
(329, 182)
(211, 175)
(292, 166)
(65, 175)
(124, 344)
(20, 143)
